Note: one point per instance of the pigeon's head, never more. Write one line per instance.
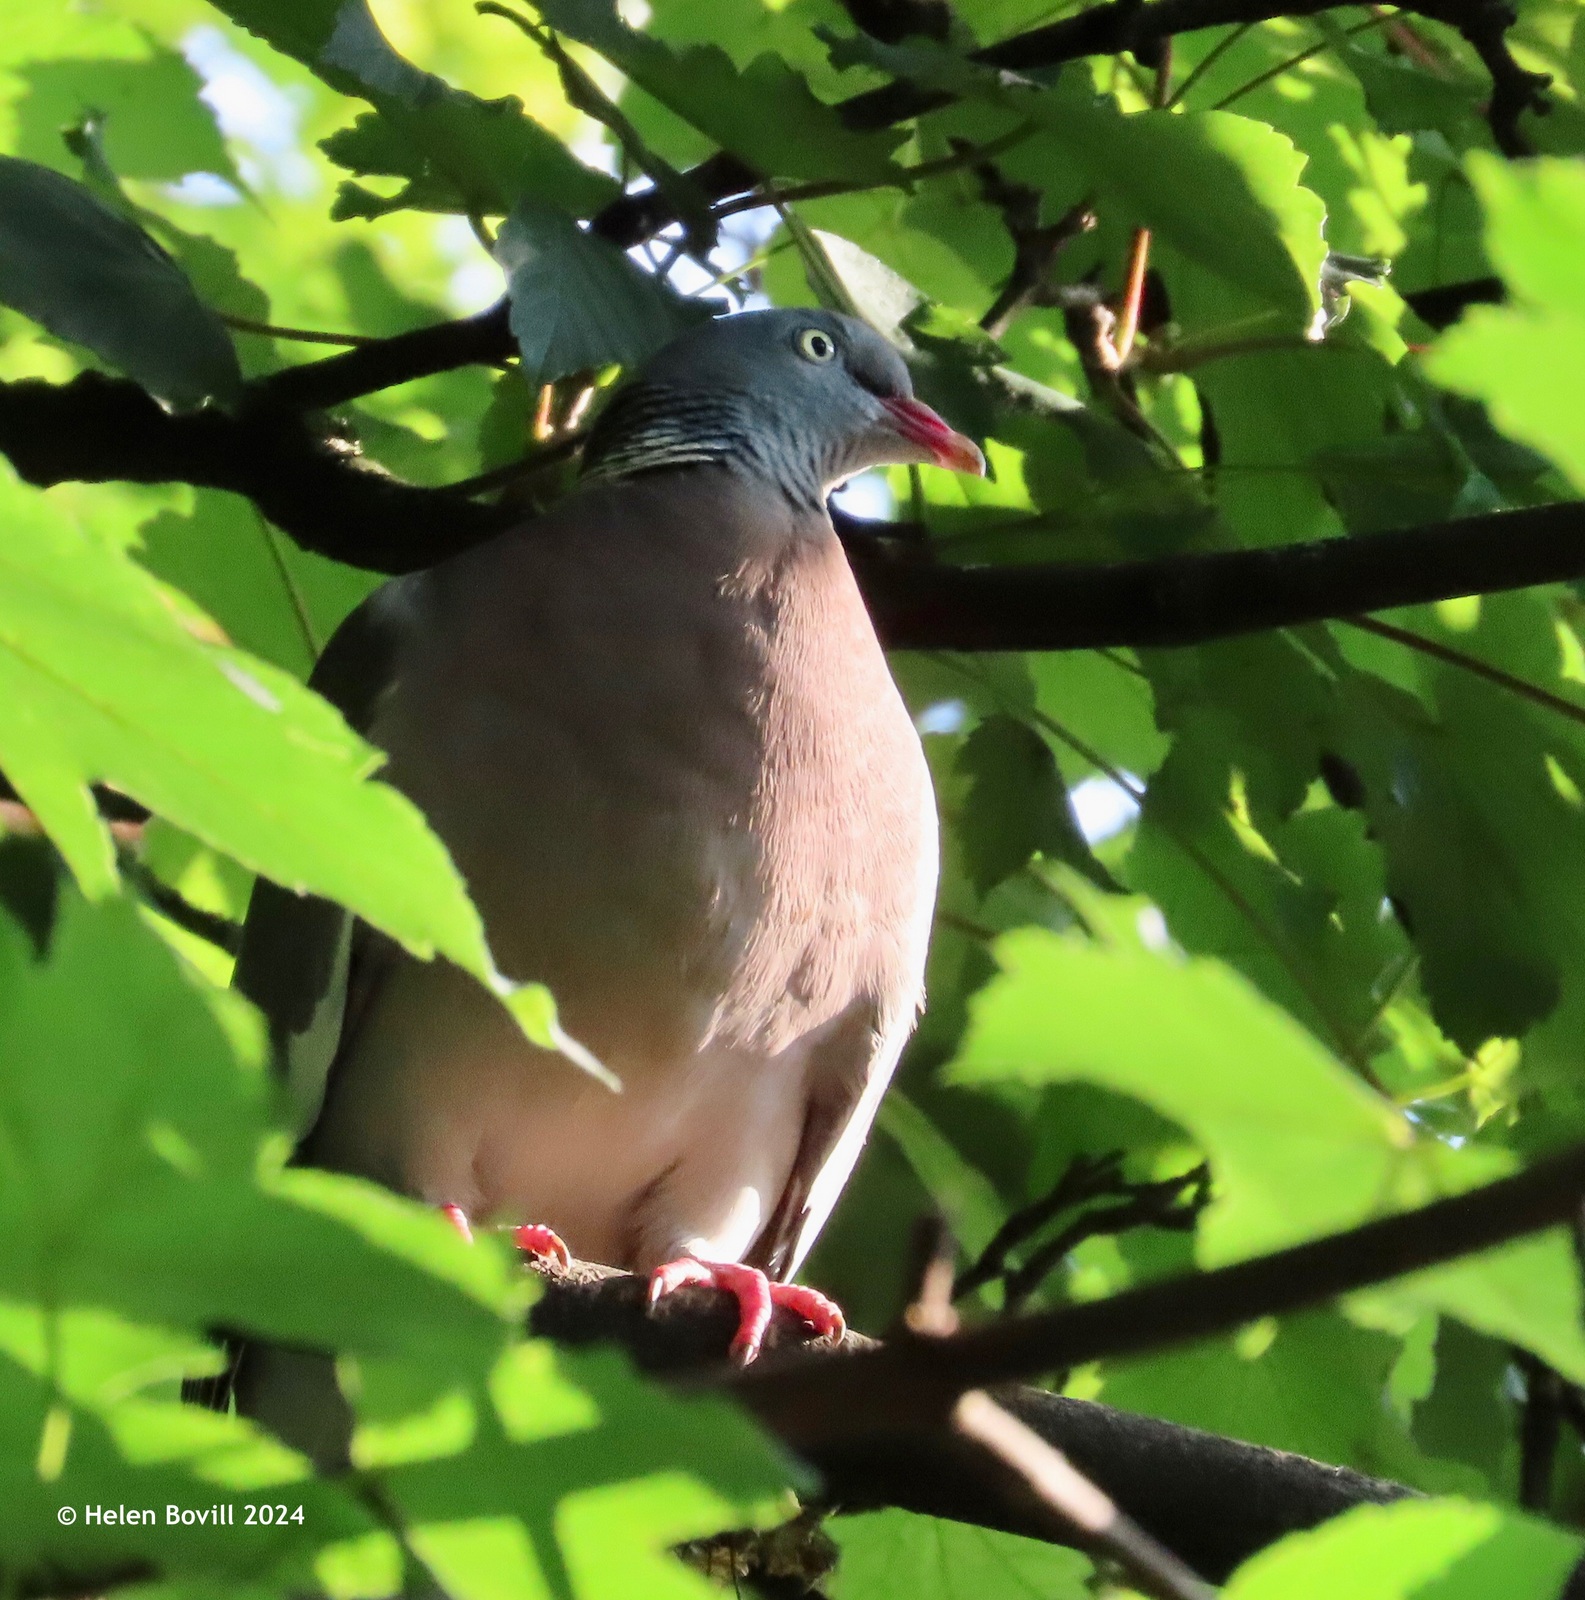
(804, 398)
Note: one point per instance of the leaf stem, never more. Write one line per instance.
(271, 330)
(1261, 79)
(1209, 60)
(1287, 958)
(1526, 690)
(826, 188)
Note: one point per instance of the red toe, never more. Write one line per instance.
(823, 1315)
(544, 1244)
(458, 1218)
(756, 1298)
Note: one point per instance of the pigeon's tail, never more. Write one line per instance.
(217, 1391)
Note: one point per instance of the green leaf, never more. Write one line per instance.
(1298, 1146)
(593, 1476)
(1527, 361)
(1017, 805)
(867, 287)
(146, 1456)
(457, 151)
(123, 1078)
(273, 600)
(90, 276)
(1233, 202)
(1481, 841)
(764, 112)
(967, 1198)
(1312, 1383)
(1421, 1550)
(154, 123)
(886, 1554)
(921, 60)
(577, 301)
(1295, 1141)
(101, 681)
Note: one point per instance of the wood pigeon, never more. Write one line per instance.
(658, 735)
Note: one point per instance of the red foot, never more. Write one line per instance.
(756, 1297)
(544, 1244)
(531, 1238)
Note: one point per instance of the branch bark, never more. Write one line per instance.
(97, 429)
(876, 1419)
(1013, 1446)
(892, 1386)
(1197, 598)
(1212, 1501)
(1111, 29)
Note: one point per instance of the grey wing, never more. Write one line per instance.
(306, 962)
(849, 1073)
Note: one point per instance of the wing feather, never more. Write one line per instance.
(298, 950)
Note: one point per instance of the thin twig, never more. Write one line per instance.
(967, 927)
(271, 330)
(1139, 249)
(1151, 1567)
(209, 926)
(1172, 1203)
(1287, 958)
(929, 1312)
(1133, 294)
(826, 188)
(585, 95)
(1281, 67)
(1085, 1177)
(1209, 60)
(1532, 692)
(1407, 38)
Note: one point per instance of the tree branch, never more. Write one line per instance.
(1111, 29)
(1212, 1501)
(482, 339)
(892, 21)
(877, 1419)
(97, 429)
(1442, 306)
(1193, 599)
(890, 1389)
(1141, 30)
(1054, 1481)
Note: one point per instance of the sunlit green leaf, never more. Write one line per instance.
(1526, 362)
(101, 681)
(765, 113)
(887, 1554)
(458, 152)
(1437, 1550)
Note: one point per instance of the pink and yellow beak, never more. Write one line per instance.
(917, 423)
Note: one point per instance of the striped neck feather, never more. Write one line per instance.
(650, 428)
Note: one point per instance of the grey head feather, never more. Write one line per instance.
(792, 397)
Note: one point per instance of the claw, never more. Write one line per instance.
(544, 1244)
(756, 1296)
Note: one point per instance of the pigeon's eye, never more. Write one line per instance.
(816, 345)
